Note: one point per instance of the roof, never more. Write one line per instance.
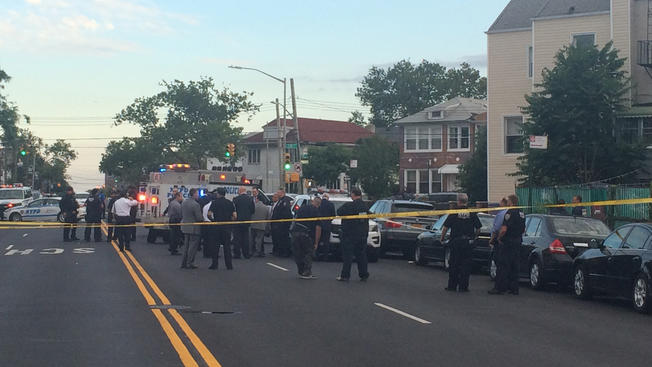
(320, 131)
(518, 14)
(636, 112)
(456, 109)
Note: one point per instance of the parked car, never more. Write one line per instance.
(42, 210)
(550, 243)
(81, 197)
(373, 239)
(400, 233)
(430, 248)
(13, 196)
(441, 200)
(619, 266)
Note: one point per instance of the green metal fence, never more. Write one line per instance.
(537, 197)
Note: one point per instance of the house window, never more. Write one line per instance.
(436, 115)
(424, 181)
(458, 137)
(411, 180)
(584, 40)
(530, 62)
(435, 181)
(253, 156)
(514, 134)
(635, 130)
(423, 138)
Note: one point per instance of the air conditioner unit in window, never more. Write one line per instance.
(435, 115)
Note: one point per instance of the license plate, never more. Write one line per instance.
(580, 244)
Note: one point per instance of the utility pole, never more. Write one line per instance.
(33, 169)
(296, 126)
(281, 176)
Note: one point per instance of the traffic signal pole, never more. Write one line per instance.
(281, 172)
(296, 126)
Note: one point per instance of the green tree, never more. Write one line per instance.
(326, 163)
(357, 118)
(406, 88)
(377, 166)
(9, 119)
(473, 173)
(576, 106)
(186, 122)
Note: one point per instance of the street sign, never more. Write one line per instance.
(538, 142)
(353, 163)
(291, 145)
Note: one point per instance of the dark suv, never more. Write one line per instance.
(400, 233)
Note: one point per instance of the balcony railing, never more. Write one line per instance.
(645, 53)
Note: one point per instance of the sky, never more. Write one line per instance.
(76, 63)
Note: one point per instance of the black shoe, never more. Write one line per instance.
(231, 268)
(192, 267)
(108, 240)
(364, 279)
(128, 249)
(175, 253)
(74, 239)
(184, 267)
(213, 267)
(450, 289)
(495, 292)
(342, 279)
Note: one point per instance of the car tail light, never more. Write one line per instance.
(392, 224)
(556, 247)
(142, 197)
(296, 207)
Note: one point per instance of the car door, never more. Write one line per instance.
(438, 248)
(533, 226)
(50, 209)
(625, 262)
(597, 260)
(33, 210)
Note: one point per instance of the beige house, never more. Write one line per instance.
(525, 38)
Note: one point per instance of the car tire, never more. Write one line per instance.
(447, 258)
(372, 254)
(580, 286)
(641, 294)
(418, 258)
(536, 275)
(15, 217)
(493, 268)
(60, 218)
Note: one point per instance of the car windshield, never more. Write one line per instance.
(11, 194)
(487, 222)
(82, 195)
(573, 226)
(338, 204)
(410, 207)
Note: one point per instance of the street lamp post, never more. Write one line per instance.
(281, 140)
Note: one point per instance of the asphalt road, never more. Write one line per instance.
(82, 304)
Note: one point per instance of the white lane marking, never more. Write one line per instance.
(405, 314)
(9, 247)
(277, 267)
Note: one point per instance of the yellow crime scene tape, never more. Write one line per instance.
(385, 217)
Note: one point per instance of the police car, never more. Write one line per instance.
(12, 196)
(42, 210)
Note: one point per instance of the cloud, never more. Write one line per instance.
(87, 26)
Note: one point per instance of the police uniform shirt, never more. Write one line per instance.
(309, 211)
(462, 224)
(222, 209)
(515, 223)
(354, 227)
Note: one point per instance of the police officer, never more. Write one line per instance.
(111, 235)
(465, 228)
(69, 207)
(94, 209)
(326, 209)
(509, 244)
(305, 238)
(221, 210)
(354, 237)
(280, 230)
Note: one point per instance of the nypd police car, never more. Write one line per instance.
(43, 210)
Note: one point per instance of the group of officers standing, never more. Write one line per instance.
(506, 238)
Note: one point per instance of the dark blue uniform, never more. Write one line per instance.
(354, 238)
(508, 251)
(463, 227)
(303, 238)
(94, 209)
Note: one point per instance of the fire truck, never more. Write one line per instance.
(155, 194)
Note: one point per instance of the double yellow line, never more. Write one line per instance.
(182, 350)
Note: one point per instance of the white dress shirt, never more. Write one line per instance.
(122, 207)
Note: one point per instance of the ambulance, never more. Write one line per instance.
(155, 194)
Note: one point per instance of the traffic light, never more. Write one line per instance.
(230, 150)
(287, 165)
(23, 152)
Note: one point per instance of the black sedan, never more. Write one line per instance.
(400, 233)
(550, 244)
(620, 266)
(430, 248)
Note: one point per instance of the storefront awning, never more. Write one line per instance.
(636, 112)
(449, 169)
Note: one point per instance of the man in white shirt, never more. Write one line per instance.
(121, 213)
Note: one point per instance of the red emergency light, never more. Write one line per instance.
(154, 200)
(142, 197)
(223, 177)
